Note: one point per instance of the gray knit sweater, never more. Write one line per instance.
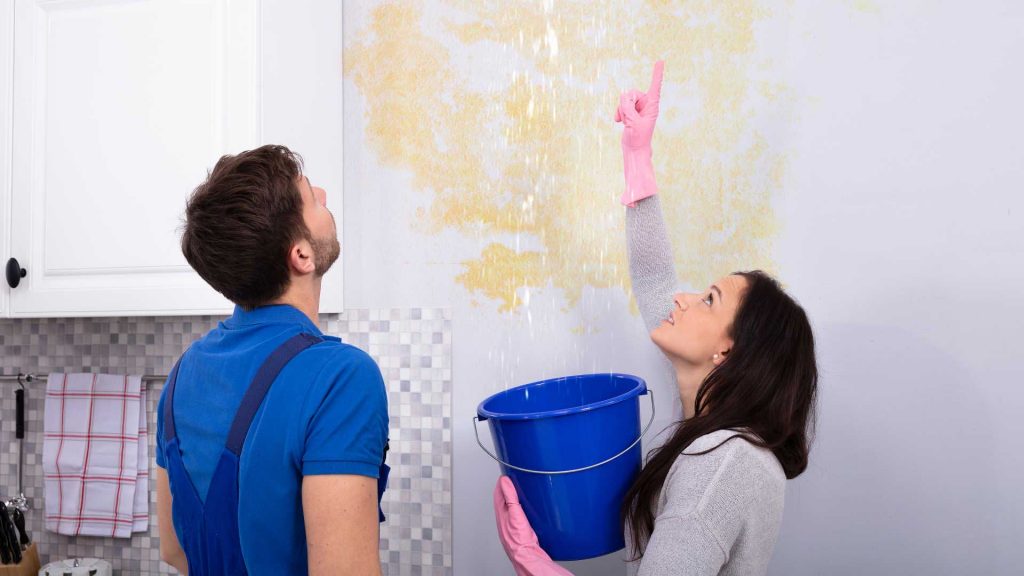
(718, 513)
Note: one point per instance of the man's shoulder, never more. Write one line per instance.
(331, 354)
(321, 365)
(333, 367)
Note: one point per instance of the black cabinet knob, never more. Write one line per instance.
(15, 273)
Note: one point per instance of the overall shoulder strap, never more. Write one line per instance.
(169, 431)
(265, 376)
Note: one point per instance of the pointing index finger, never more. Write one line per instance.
(654, 92)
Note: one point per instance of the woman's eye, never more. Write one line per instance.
(710, 299)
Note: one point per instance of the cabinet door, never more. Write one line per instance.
(119, 110)
(6, 84)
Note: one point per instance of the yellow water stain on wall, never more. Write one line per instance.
(501, 272)
(865, 6)
(504, 115)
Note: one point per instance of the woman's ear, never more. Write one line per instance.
(720, 356)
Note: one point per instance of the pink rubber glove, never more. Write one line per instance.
(638, 112)
(518, 537)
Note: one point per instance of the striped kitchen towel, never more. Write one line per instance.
(140, 511)
(92, 426)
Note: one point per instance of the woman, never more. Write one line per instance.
(709, 500)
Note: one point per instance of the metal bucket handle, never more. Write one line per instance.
(476, 431)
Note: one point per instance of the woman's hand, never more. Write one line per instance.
(518, 537)
(638, 112)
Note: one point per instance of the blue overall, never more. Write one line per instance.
(208, 533)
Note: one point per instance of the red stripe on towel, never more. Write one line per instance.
(60, 445)
(85, 467)
(120, 459)
(108, 477)
(100, 519)
(88, 395)
(74, 436)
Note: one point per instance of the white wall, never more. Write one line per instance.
(900, 231)
(904, 240)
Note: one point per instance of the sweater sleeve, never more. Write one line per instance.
(682, 546)
(651, 268)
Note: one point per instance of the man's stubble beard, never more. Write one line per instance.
(325, 253)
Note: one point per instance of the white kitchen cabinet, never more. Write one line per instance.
(6, 83)
(115, 112)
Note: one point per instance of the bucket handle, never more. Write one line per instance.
(476, 431)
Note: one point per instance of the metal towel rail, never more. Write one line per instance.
(29, 378)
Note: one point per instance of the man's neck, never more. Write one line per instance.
(305, 297)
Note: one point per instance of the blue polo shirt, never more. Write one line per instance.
(326, 413)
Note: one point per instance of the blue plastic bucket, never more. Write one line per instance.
(572, 448)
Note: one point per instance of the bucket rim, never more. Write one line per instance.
(639, 389)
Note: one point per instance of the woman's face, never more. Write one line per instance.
(698, 327)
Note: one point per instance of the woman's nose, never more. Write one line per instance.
(681, 302)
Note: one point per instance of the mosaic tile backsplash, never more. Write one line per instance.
(412, 347)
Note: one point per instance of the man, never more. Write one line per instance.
(271, 435)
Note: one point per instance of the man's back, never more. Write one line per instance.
(326, 413)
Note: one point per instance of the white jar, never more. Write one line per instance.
(77, 567)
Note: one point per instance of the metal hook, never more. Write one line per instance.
(20, 383)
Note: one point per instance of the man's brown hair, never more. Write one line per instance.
(242, 221)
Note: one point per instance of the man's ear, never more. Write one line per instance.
(300, 258)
